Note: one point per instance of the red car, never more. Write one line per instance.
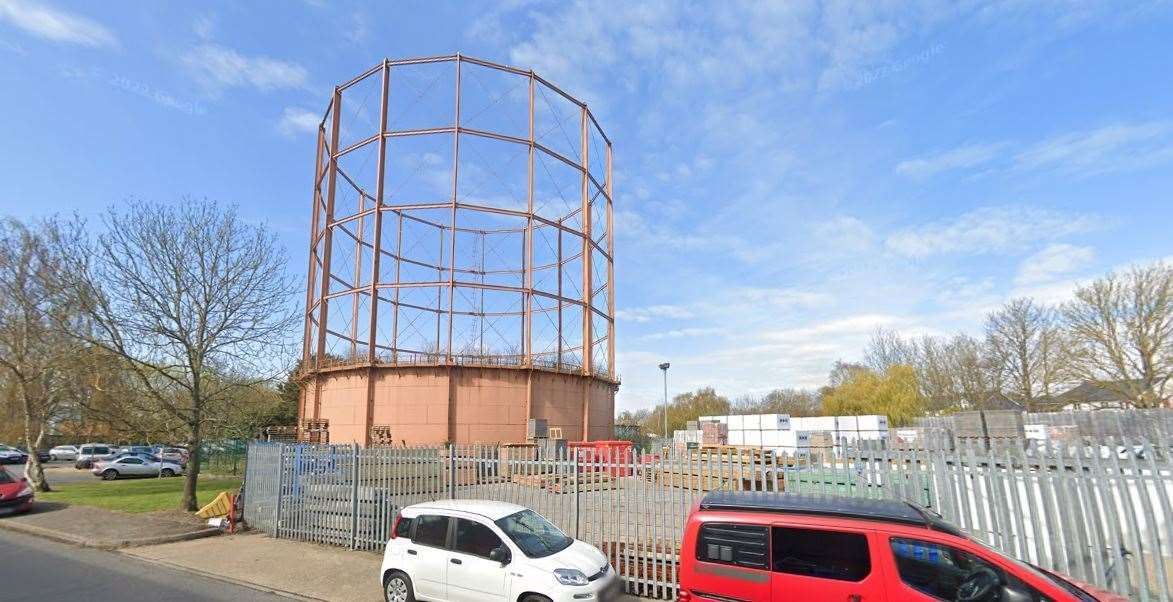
(770, 547)
(16, 495)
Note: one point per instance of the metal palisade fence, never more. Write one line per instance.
(1099, 513)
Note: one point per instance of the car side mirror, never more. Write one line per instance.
(500, 554)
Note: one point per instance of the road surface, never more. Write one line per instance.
(34, 570)
(56, 472)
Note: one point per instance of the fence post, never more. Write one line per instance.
(576, 491)
(280, 490)
(354, 496)
(451, 471)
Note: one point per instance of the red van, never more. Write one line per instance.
(770, 547)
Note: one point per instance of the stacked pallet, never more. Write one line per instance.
(567, 483)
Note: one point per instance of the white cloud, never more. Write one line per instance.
(959, 158)
(55, 25)
(990, 230)
(681, 333)
(1115, 147)
(654, 312)
(296, 121)
(218, 67)
(1054, 261)
(844, 234)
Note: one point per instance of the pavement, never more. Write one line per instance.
(34, 569)
(299, 569)
(100, 528)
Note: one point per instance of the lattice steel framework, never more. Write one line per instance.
(462, 215)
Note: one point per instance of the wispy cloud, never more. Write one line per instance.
(990, 230)
(1116, 147)
(218, 67)
(1054, 261)
(680, 333)
(654, 312)
(55, 25)
(1109, 148)
(963, 157)
(296, 121)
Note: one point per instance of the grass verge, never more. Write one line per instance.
(136, 495)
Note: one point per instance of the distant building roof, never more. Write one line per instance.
(1089, 392)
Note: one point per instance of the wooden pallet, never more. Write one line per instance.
(564, 483)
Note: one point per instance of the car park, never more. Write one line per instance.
(764, 547)
(135, 465)
(16, 494)
(63, 452)
(474, 550)
(173, 454)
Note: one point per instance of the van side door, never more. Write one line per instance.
(927, 569)
(732, 561)
(824, 563)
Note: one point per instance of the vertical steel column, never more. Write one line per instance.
(327, 240)
(354, 497)
(558, 359)
(395, 311)
(610, 270)
(455, 184)
(312, 271)
(528, 256)
(377, 251)
(587, 287)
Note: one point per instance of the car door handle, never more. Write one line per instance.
(412, 552)
(854, 598)
(455, 561)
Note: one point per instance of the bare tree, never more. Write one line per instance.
(197, 303)
(34, 355)
(886, 348)
(951, 373)
(1024, 339)
(1121, 329)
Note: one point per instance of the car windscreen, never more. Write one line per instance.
(533, 534)
(6, 478)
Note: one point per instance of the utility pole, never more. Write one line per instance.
(664, 368)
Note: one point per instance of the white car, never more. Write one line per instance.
(485, 551)
(63, 452)
(135, 465)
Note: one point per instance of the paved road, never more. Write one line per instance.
(34, 569)
(56, 472)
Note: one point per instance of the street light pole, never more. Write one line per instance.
(664, 368)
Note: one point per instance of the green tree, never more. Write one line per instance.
(684, 407)
(893, 393)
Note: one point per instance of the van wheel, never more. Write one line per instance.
(534, 598)
(397, 588)
(110, 475)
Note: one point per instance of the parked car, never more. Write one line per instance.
(16, 495)
(174, 454)
(91, 452)
(135, 465)
(783, 546)
(493, 551)
(42, 455)
(12, 455)
(63, 452)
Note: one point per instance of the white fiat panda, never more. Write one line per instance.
(479, 551)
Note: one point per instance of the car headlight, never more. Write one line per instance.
(570, 577)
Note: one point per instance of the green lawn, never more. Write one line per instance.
(136, 495)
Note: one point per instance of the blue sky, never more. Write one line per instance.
(789, 175)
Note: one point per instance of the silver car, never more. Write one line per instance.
(135, 465)
(63, 452)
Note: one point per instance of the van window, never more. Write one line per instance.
(939, 570)
(431, 530)
(822, 554)
(87, 450)
(727, 543)
(101, 451)
(474, 538)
